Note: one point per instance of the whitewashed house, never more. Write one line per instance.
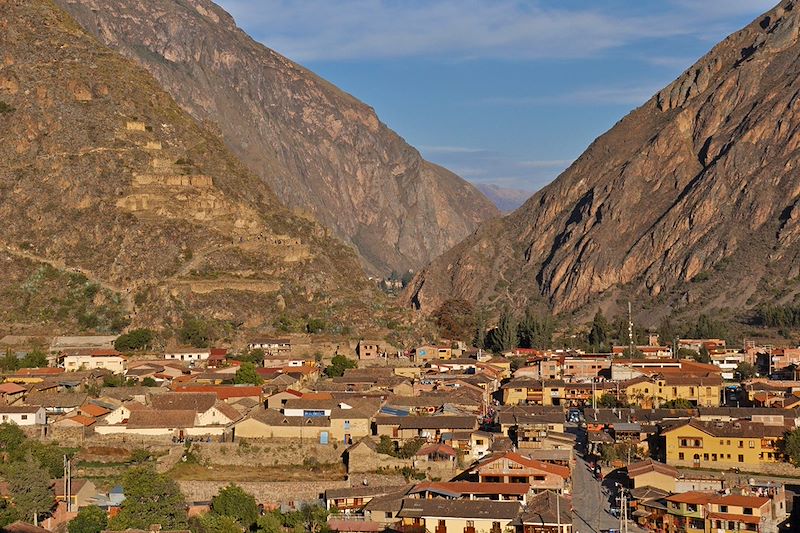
(23, 415)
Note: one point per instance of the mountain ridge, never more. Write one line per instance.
(321, 150)
(119, 208)
(670, 205)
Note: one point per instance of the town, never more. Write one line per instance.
(291, 434)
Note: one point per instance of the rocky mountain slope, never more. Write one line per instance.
(116, 205)
(691, 201)
(320, 149)
(505, 198)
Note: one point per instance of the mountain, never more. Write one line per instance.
(321, 150)
(504, 198)
(690, 202)
(117, 206)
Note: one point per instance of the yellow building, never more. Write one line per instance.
(723, 445)
(650, 473)
(705, 391)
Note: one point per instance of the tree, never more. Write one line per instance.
(455, 319)
(246, 374)
(608, 400)
(386, 445)
(687, 353)
(8, 513)
(150, 498)
(9, 363)
(34, 359)
(12, 439)
(703, 356)
(195, 332)
(745, 371)
(338, 365)
(312, 518)
(599, 333)
(536, 331)
(481, 319)
(237, 504)
(410, 448)
(706, 328)
(214, 523)
(789, 445)
(677, 403)
(316, 325)
(270, 523)
(90, 519)
(136, 339)
(149, 382)
(29, 486)
(503, 338)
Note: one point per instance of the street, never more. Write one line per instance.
(590, 504)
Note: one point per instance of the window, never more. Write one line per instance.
(346, 424)
(723, 508)
(748, 510)
(752, 444)
(713, 457)
(680, 456)
(708, 391)
(691, 391)
(741, 444)
(24, 417)
(741, 458)
(478, 442)
(705, 457)
(387, 514)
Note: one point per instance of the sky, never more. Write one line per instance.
(499, 91)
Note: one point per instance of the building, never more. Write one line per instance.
(650, 473)
(430, 353)
(187, 353)
(511, 467)
(723, 445)
(23, 415)
(106, 359)
(458, 516)
(369, 350)
(270, 345)
(546, 512)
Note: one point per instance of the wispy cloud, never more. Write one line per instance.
(628, 96)
(451, 150)
(545, 163)
(507, 29)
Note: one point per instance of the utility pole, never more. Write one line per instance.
(558, 512)
(68, 483)
(630, 330)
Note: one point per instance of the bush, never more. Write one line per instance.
(136, 339)
(195, 332)
(5, 108)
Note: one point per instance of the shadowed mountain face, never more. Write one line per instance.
(690, 200)
(117, 205)
(321, 150)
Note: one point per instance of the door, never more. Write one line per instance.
(323, 437)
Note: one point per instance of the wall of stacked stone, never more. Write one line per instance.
(266, 492)
(267, 452)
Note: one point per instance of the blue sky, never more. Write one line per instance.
(499, 91)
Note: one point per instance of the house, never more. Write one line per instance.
(279, 399)
(270, 345)
(470, 490)
(723, 445)
(512, 467)
(57, 403)
(354, 498)
(546, 512)
(188, 354)
(700, 390)
(650, 473)
(11, 392)
(436, 452)
(81, 492)
(269, 423)
(369, 350)
(223, 392)
(23, 415)
(458, 516)
(430, 353)
(736, 512)
(687, 511)
(402, 428)
(107, 359)
(217, 357)
(210, 410)
(473, 444)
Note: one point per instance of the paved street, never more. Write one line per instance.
(590, 504)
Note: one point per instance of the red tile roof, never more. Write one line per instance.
(562, 471)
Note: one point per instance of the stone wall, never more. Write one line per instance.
(266, 452)
(266, 492)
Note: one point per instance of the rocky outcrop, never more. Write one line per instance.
(112, 198)
(321, 150)
(689, 200)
